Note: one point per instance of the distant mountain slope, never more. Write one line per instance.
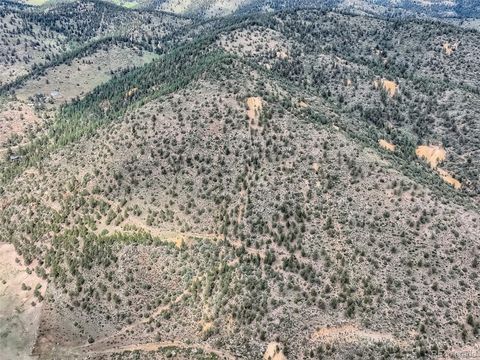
(435, 8)
(214, 8)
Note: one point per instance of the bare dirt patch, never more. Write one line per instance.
(449, 48)
(448, 178)
(151, 347)
(19, 309)
(386, 145)
(274, 352)
(254, 108)
(391, 87)
(351, 333)
(433, 154)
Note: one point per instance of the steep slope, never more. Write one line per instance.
(33, 38)
(226, 198)
(408, 80)
(56, 53)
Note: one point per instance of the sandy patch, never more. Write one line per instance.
(254, 108)
(449, 48)
(19, 318)
(445, 175)
(274, 352)
(315, 166)
(390, 87)
(432, 154)
(386, 145)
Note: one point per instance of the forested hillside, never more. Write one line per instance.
(443, 9)
(297, 184)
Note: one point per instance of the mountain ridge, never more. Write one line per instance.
(208, 8)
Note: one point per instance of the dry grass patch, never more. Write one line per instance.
(67, 81)
(207, 326)
(175, 237)
(131, 92)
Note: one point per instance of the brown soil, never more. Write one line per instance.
(254, 107)
(149, 347)
(449, 48)
(274, 352)
(432, 154)
(351, 333)
(390, 86)
(449, 178)
(386, 145)
(19, 317)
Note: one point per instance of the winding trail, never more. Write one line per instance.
(155, 346)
